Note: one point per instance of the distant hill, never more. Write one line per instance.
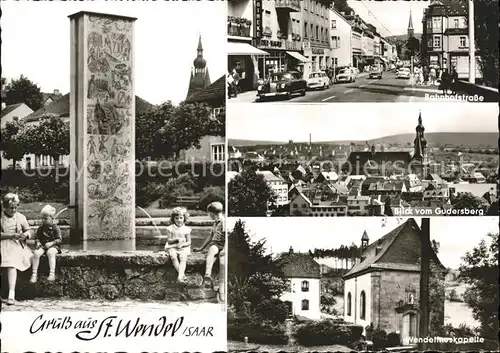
(470, 139)
(241, 143)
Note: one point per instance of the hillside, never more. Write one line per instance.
(240, 142)
(469, 139)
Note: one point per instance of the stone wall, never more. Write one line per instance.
(139, 275)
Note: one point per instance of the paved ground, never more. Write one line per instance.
(103, 306)
(387, 89)
(233, 346)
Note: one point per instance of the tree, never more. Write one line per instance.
(150, 139)
(49, 138)
(479, 270)
(469, 201)
(253, 276)
(12, 143)
(327, 302)
(486, 16)
(165, 131)
(249, 195)
(435, 245)
(23, 90)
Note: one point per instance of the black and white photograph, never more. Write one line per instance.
(362, 51)
(113, 165)
(353, 284)
(363, 160)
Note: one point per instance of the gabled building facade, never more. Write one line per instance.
(304, 291)
(383, 289)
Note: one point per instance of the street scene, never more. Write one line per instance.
(343, 285)
(390, 160)
(359, 51)
(106, 200)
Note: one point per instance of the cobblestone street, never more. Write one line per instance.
(103, 306)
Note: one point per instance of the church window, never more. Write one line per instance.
(362, 314)
(305, 304)
(305, 286)
(349, 304)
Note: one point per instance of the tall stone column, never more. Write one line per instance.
(102, 127)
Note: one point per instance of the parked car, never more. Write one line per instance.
(283, 84)
(404, 72)
(318, 79)
(346, 75)
(375, 71)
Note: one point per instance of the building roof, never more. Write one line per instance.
(386, 186)
(10, 108)
(54, 96)
(299, 265)
(378, 157)
(216, 91)
(61, 108)
(477, 190)
(400, 258)
(270, 176)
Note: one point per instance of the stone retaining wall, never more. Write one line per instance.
(139, 275)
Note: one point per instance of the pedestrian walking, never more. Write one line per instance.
(432, 76)
(230, 86)
(454, 80)
(445, 81)
(425, 73)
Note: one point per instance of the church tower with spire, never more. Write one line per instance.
(200, 78)
(411, 31)
(419, 161)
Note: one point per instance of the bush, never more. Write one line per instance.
(262, 332)
(379, 339)
(393, 339)
(273, 310)
(327, 332)
(148, 193)
(359, 346)
(211, 194)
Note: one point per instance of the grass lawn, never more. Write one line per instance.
(234, 346)
(32, 210)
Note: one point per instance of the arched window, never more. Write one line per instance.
(305, 286)
(362, 300)
(305, 304)
(349, 302)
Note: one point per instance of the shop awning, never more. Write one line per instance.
(236, 48)
(384, 59)
(298, 56)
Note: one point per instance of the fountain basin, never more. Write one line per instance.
(138, 275)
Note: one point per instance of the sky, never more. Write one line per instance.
(390, 17)
(456, 235)
(36, 42)
(360, 121)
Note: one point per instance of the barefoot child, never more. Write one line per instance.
(47, 241)
(178, 244)
(16, 255)
(215, 241)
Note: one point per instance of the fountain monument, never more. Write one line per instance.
(102, 127)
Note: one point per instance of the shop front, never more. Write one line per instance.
(243, 57)
(282, 56)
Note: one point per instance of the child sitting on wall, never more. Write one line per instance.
(215, 241)
(178, 244)
(48, 241)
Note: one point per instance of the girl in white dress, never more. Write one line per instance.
(16, 255)
(178, 244)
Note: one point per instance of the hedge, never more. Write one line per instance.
(327, 332)
(257, 332)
